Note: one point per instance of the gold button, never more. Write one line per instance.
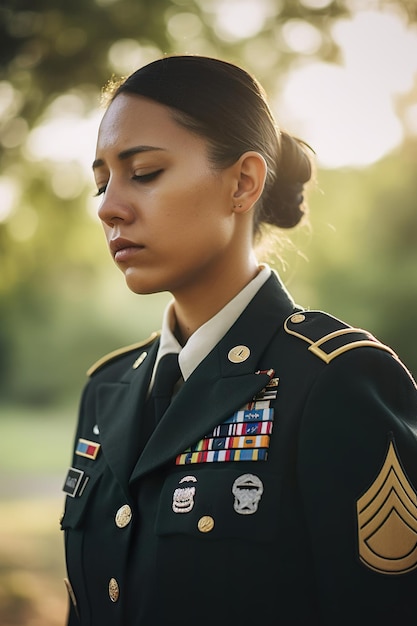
(139, 360)
(205, 524)
(238, 354)
(113, 590)
(123, 516)
(297, 318)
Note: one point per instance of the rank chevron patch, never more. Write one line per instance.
(387, 520)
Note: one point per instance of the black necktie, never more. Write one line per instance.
(167, 374)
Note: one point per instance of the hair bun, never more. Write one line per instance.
(283, 205)
(204, 91)
(294, 164)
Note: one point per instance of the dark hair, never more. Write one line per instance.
(226, 105)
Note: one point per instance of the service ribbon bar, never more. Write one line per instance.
(220, 456)
(227, 443)
(258, 405)
(238, 429)
(87, 448)
(252, 415)
(245, 436)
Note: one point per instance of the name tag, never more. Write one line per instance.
(75, 482)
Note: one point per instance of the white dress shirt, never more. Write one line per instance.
(203, 340)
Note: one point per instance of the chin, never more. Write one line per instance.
(143, 287)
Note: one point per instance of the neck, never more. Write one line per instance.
(195, 307)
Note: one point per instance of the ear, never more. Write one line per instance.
(250, 172)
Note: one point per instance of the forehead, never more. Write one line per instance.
(132, 119)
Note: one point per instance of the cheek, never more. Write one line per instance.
(183, 214)
(195, 224)
(191, 210)
(205, 205)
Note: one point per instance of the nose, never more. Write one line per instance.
(114, 207)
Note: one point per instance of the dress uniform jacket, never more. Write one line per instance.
(317, 527)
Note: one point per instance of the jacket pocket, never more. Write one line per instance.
(77, 506)
(216, 503)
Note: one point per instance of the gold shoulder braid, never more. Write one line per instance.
(387, 520)
(329, 337)
(111, 356)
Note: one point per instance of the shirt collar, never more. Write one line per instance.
(203, 340)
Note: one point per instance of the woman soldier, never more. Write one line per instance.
(279, 486)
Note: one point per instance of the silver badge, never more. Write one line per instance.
(183, 498)
(248, 490)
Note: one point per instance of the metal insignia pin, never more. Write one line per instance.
(188, 479)
(247, 490)
(183, 497)
(238, 354)
(139, 360)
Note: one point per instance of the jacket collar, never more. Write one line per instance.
(215, 390)
(118, 412)
(218, 387)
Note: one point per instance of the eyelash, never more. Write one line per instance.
(143, 179)
(147, 178)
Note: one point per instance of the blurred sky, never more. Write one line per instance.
(355, 102)
(348, 112)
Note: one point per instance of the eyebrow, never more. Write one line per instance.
(126, 154)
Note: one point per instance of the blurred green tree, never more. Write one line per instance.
(360, 260)
(54, 59)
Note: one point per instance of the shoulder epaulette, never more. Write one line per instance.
(328, 336)
(111, 356)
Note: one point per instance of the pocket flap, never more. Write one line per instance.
(78, 495)
(220, 503)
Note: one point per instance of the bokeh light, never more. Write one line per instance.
(348, 111)
(239, 19)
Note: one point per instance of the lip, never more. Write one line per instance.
(122, 248)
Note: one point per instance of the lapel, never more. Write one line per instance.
(219, 387)
(118, 406)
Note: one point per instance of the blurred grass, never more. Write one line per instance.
(34, 455)
(35, 440)
(32, 567)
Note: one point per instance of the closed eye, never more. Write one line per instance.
(140, 178)
(147, 178)
(100, 191)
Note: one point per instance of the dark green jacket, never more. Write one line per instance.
(334, 538)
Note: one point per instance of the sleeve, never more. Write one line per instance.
(357, 471)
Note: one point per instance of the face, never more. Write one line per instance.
(166, 211)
